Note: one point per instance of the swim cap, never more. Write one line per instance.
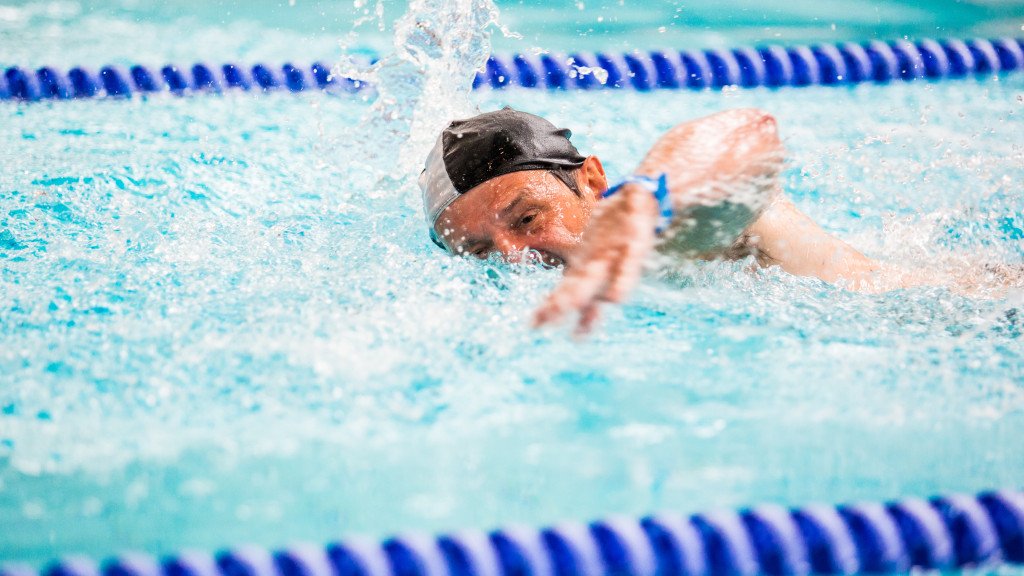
(470, 152)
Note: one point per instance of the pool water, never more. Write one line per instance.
(67, 33)
(222, 321)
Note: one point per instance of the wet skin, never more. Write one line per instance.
(732, 157)
(529, 214)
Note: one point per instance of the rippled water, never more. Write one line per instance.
(220, 323)
(215, 331)
(95, 32)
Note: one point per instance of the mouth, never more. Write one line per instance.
(544, 258)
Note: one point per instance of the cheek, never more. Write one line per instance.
(574, 218)
(563, 228)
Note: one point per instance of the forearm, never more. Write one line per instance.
(734, 143)
(722, 172)
(785, 236)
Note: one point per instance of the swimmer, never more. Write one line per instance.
(512, 183)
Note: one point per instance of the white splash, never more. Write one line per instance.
(439, 45)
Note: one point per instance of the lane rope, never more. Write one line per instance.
(772, 66)
(940, 534)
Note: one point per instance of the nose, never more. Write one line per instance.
(508, 247)
(515, 250)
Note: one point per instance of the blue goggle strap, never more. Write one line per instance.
(656, 186)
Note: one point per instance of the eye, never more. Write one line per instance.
(527, 219)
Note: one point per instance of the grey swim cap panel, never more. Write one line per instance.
(469, 152)
(438, 189)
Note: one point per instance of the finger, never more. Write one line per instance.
(624, 283)
(627, 269)
(614, 291)
(588, 318)
(593, 279)
(571, 294)
(628, 273)
(579, 286)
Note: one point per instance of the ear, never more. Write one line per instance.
(592, 177)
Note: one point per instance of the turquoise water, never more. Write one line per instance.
(222, 321)
(74, 32)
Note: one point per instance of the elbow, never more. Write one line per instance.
(760, 132)
(754, 125)
(769, 128)
(765, 125)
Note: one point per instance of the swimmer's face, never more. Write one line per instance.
(531, 212)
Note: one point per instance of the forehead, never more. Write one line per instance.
(485, 202)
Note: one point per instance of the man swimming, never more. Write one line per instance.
(512, 183)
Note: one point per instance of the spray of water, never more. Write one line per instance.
(439, 45)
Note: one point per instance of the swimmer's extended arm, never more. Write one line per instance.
(726, 168)
(735, 154)
(722, 172)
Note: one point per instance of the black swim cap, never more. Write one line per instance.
(470, 152)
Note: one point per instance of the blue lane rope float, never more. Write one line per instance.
(941, 534)
(770, 66)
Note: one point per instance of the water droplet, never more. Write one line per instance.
(33, 510)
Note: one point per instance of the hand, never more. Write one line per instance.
(609, 263)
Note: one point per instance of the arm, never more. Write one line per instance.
(785, 236)
(721, 172)
(724, 171)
